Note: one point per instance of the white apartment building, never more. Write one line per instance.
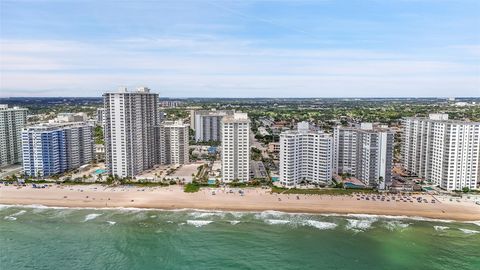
(305, 156)
(446, 152)
(365, 153)
(131, 131)
(54, 148)
(235, 147)
(12, 121)
(174, 142)
(207, 124)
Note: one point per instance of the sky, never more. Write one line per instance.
(242, 48)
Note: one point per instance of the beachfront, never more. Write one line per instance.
(253, 199)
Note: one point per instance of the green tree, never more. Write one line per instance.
(98, 135)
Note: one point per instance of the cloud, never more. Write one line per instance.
(212, 66)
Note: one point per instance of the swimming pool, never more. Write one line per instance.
(99, 171)
(351, 185)
(212, 181)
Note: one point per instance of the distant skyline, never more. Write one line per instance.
(404, 48)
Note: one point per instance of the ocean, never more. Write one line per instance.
(37, 237)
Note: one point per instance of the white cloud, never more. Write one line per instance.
(208, 66)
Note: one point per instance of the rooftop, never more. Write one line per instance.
(236, 118)
(5, 107)
(54, 126)
(442, 118)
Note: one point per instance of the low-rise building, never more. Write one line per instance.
(274, 147)
(99, 152)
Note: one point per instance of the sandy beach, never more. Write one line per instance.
(255, 199)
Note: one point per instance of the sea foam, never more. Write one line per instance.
(91, 217)
(467, 231)
(360, 224)
(199, 223)
(394, 225)
(237, 214)
(206, 214)
(270, 214)
(440, 228)
(276, 221)
(14, 216)
(21, 212)
(474, 222)
(320, 224)
(5, 206)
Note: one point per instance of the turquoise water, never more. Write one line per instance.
(55, 238)
(352, 185)
(99, 171)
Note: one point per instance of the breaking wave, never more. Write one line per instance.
(395, 225)
(276, 221)
(14, 216)
(360, 224)
(91, 217)
(206, 214)
(199, 223)
(320, 224)
(467, 231)
(441, 228)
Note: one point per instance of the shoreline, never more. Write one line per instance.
(254, 200)
(353, 215)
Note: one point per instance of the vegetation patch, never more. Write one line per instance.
(192, 187)
(321, 191)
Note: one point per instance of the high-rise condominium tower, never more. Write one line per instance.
(305, 156)
(100, 116)
(235, 147)
(54, 148)
(131, 131)
(207, 124)
(365, 153)
(174, 141)
(446, 152)
(12, 121)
